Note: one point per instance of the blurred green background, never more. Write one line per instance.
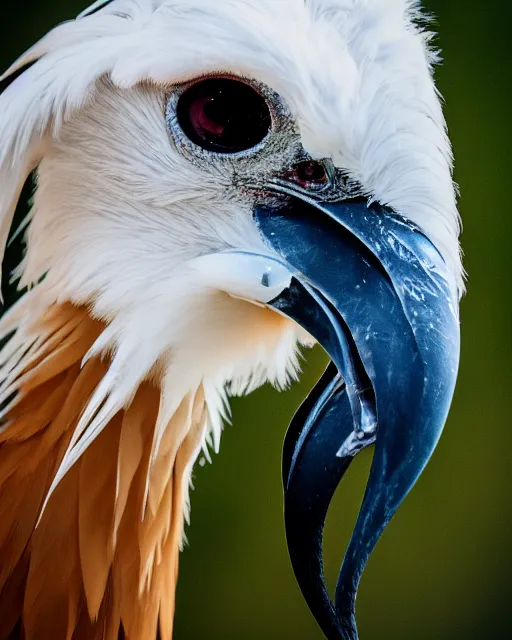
(443, 568)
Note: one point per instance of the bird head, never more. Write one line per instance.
(218, 182)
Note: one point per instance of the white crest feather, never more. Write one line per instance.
(119, 215)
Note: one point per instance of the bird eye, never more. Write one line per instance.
(223, 115)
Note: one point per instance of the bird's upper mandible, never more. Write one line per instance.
(216, 183)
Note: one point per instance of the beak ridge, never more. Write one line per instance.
(379, 298)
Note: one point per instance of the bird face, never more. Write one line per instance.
(218, 182)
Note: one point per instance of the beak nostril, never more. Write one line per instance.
(309, 173)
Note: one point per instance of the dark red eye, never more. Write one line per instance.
(223, 115)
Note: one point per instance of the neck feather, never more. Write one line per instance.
(108, 530)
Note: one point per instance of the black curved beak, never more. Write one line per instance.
(377, 295)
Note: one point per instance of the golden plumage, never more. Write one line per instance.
(103, 553)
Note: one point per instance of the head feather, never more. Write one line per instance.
(88, 112)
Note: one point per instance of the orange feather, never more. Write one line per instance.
(96, 564)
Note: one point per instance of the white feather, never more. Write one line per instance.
(120, 214)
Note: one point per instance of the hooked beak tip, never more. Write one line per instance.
(373, 290)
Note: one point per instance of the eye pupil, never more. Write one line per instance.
(223, 115)
(205, 118)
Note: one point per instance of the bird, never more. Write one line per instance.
(217, 185)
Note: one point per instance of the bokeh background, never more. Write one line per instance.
(443, 568)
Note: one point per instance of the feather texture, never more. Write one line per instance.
(97, 561)
(357, 75)
(122, 354)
